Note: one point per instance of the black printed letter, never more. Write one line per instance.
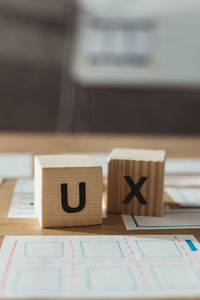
(64, 198)
(135, 190)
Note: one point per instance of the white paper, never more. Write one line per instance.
(182, 166)
(171, 219)
(22, 206)
(102, 158)
(1, 180)
(185, 196)
(14, 165)
(24, 186)
(182, 180)
(100, 266)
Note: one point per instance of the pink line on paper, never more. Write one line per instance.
(5, 275)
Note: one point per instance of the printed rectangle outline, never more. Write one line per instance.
(88, 281)
(39, 268)
(95, 257)
(152, 268)
(174, 242)
(44, 242)
(165, 226)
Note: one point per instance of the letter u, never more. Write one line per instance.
(64, 198)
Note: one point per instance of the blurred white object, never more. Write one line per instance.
(187, 166)
(24, 186)
(186, 197)
(182, 180)
(14, 165)
(137, 42)
(22, 206)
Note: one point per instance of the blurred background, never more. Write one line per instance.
(100, 66)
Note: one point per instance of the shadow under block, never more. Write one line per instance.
(68, 190)
(135, 182)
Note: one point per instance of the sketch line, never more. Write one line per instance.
(3, 283)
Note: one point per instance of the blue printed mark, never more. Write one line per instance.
(191, 245)
(134, 220)
(26, 204)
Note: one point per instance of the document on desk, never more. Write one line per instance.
(186, 197)
(100, 267)
(171, 219)
(102, 158)
(22, 205)
(15, 165)
(182, 166)
(182, 180)
(24, 186)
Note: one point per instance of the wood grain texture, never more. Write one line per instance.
(136, 163)
(175, 146)
(53, 170)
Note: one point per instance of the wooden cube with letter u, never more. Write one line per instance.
(68, 190)
(135, 182)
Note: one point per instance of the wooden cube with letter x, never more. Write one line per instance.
(135, 182)
(68, 190)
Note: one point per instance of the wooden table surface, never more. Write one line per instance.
(59, 143)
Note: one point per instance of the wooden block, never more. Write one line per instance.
(135, 182)
(68, 190)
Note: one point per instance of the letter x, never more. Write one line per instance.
(135, 190)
